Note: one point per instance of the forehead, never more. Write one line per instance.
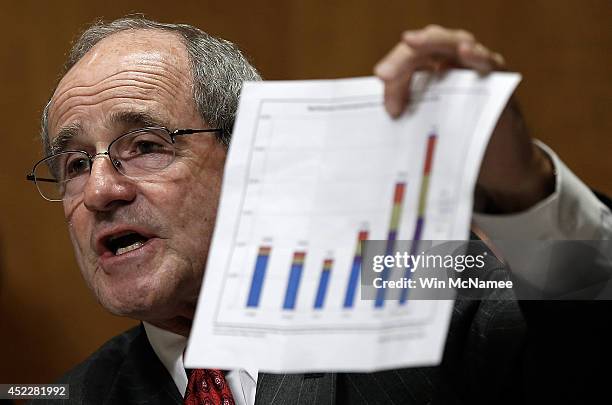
(128, 66)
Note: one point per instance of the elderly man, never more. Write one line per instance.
(137, 132)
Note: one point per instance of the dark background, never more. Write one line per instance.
(48, 319)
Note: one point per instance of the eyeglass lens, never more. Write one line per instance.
(135, 155)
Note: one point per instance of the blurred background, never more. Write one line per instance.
(48, 319)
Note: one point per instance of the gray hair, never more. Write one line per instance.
(218, 69)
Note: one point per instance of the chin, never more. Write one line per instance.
(130, 306)
(157, 291)
(138, 299)
(157, 295)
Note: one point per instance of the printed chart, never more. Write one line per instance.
(316, 168)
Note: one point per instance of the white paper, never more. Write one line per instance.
(312, 164)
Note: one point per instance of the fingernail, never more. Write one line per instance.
(383, 70)
(394, 109)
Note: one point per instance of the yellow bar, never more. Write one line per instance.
(395, 216)
(423, 195)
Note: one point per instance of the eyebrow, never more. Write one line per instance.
(64, 137)
(126, 118)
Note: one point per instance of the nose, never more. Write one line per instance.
(106, 188)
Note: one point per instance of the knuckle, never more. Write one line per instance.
(480, 48)
(433, 28)
(465, 35)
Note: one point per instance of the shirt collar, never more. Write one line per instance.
(169, 348)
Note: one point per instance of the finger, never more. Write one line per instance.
(396, 69)
(397, 95)
(397, 92)
(477, 56)
(397, 63)
(437, 41)
(458, 47)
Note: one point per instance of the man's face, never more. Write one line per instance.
(130, 80)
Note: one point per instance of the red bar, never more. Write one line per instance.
(399, 192)
(363, 235)
(431, 143)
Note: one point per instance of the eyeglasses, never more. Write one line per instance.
(135, 154)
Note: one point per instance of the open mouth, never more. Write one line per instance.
(125, 242)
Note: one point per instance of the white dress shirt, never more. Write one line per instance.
(571, 212)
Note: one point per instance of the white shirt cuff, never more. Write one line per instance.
(571, 212)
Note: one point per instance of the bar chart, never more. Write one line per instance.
(297, 264)
(297, 277)
(296, 267)
(315, 169)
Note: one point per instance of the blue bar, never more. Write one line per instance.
(405, 291)
(292, 286)
(415, 243)
(320, 299)
(352, 284)
(380, 293)
(257, 283)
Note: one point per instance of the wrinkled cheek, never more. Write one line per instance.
(197, 219)
(79, 247)
(70, 207)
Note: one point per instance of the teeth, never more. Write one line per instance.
(126, 249)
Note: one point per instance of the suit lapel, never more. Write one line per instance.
(142, 377)
(296, 389)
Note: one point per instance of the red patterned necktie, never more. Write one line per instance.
(207, 387)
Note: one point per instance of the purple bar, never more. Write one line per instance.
(418, 229)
